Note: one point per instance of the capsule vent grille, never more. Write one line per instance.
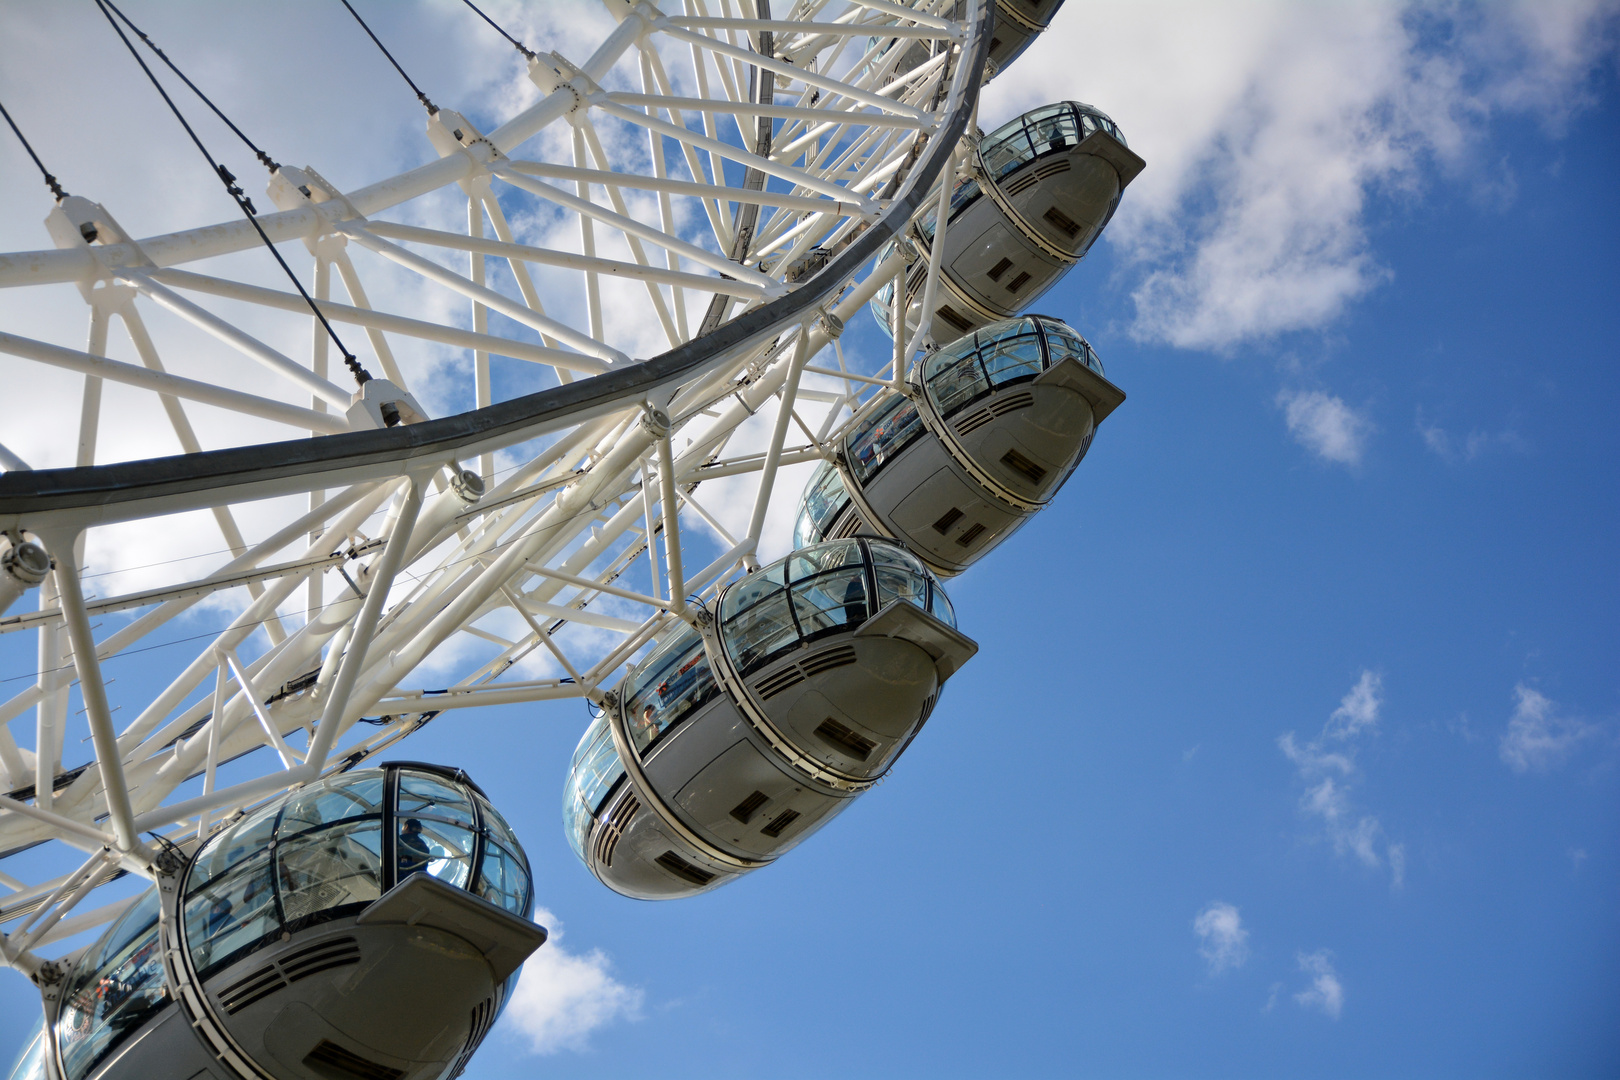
(1062, 222)
(1018, 282)
(1000, 268)
(1024, 467)
(328, 1058)
(955, 318)
(1022, 184)
(322, 956)
(832, 658)
(949, 518)
(684, 870)
(1001, 407)
(970, 535)
(794, 674)
(483, 1015)
(745, 810)
(256, 987)
(927, 708)
(613, 828)
(774, 684)
(853, 743)
(780, 823)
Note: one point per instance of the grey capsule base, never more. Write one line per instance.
(1047, 185)
(1017, 24)
(309, 952)
(773, 755)
(964, 479)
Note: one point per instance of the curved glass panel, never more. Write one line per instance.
(595, 770)
(1006, 352)
(117, 987)
(1050, 129)
(889, 430)
(824, 499)
(324, 869)
(504, 877)
(319, 854)
(338, 799)
(232, 912)
(30, 1064)
(822, 589)
(664, 688)
(435, 829)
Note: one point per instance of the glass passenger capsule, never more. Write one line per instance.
(725, 748)
(370, 924)
(1018, 23)
(1047, 184)
(989, 430)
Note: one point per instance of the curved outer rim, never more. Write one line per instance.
(121, 491)
(1003, 8)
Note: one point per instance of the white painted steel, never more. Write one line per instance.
(391, 561)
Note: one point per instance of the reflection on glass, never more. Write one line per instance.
(667, 686)
(319, 855)
(595, 769)
(330, 868)
(829, 588)
(892, 428)
(1044, 131)
(502, 880)
(824, 499)
(231, 913)
(1003, 353)
(30, 1064)
(116, 988)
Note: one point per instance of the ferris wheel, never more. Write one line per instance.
(669, 242)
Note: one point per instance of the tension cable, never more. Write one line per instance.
(361, 375)
(433, 110)
(50, 181)
(528, 54)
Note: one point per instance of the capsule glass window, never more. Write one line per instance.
(892, 428)
(435, 829)
(827, 588)
(667, 686)
(591, 778)
(824, 499)
(117, 986)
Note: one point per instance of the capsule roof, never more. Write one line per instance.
(1049, 129)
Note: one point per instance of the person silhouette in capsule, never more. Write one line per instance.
(414, 853)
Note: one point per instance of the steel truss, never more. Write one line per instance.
(512, 525)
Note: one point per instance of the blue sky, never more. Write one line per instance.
(1292, 745)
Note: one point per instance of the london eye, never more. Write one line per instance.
(505, 492)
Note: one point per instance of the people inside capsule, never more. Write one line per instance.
(312, 950)
(1046, 185)
(1017, 24)
(816, 673)
(992, 425)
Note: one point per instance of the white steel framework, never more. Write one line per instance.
(771, 161)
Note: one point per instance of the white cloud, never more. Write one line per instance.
(1222, 941)
(1326, 992)
(1268, 126)
(1325, 425)
(562, 997)
(1461, 449)
(1326, 765)
(1537, 738)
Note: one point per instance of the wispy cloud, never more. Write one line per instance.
(1325, 992)
(1459, 449)
(1325, 425)
(562, 997)
(1222, 940)
(1538, 738)
(1326, 765)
